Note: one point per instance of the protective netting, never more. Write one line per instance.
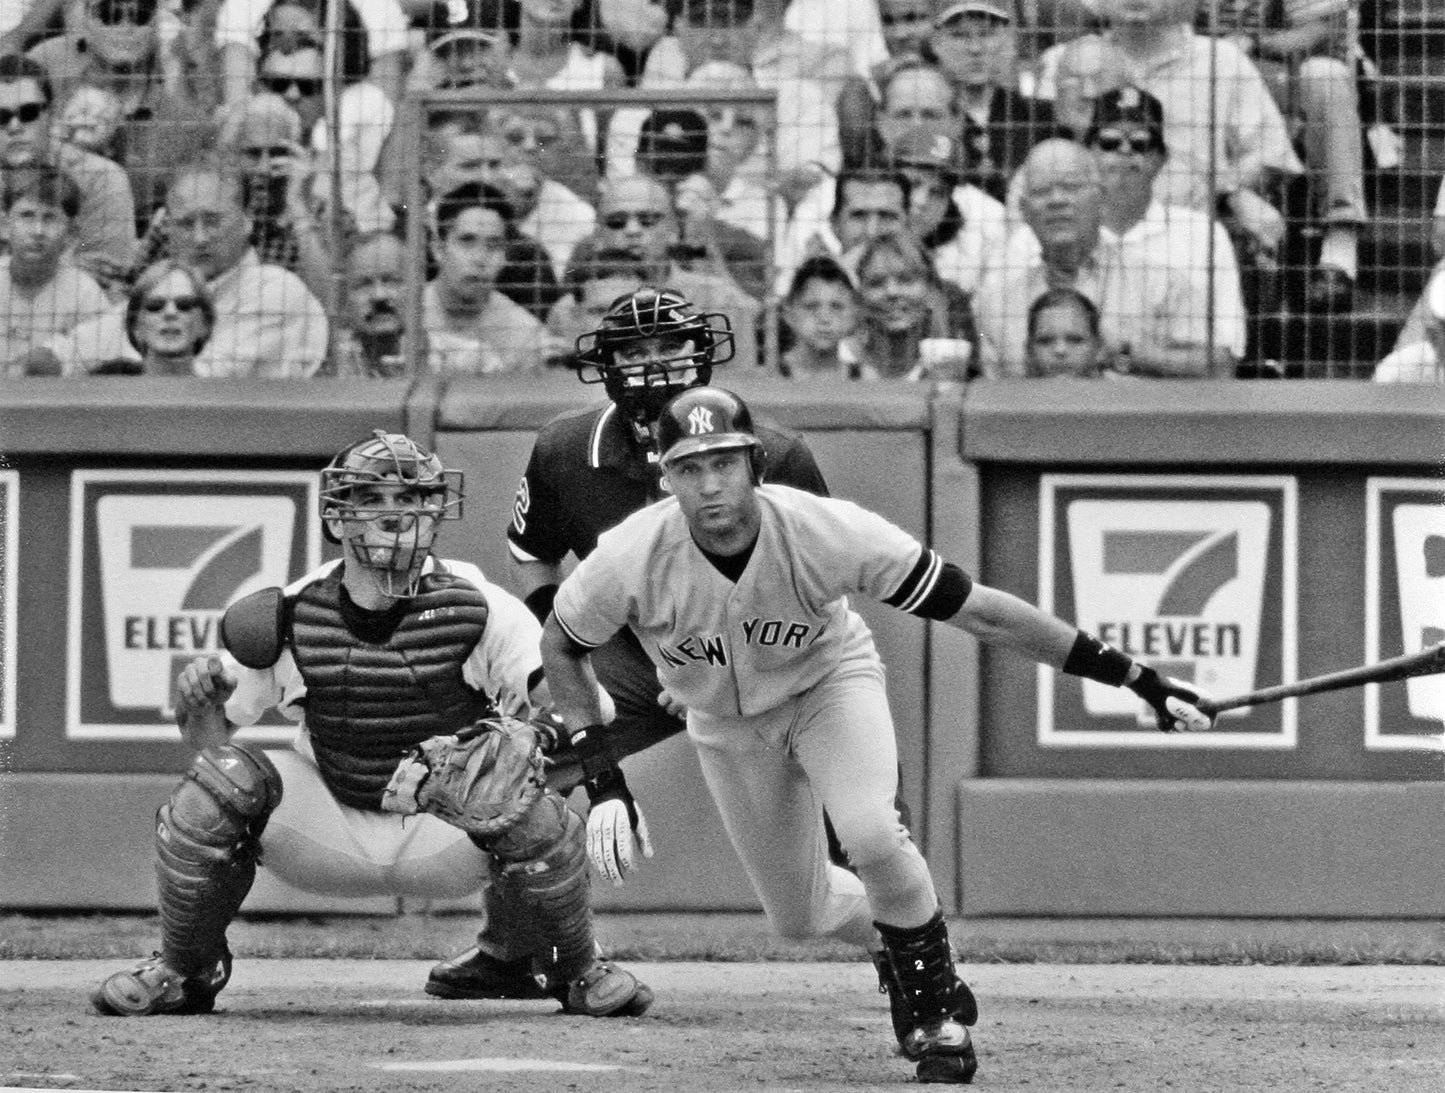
(868, 188)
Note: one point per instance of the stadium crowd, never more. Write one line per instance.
(941, 191)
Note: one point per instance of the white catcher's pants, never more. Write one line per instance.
(772, 775)
(317, 844)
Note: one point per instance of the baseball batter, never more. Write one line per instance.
(395, 664)
(738, 592)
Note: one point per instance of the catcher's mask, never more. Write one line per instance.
(650, 346)
(708, 419)
(388, 492)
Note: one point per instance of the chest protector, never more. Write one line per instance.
(373, 693)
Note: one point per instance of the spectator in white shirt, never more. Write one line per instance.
(42, 294)
(1182, 261)
(268, 324)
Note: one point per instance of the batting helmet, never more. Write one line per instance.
(642, 386)
(708, 419)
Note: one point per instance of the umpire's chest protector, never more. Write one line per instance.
(371, 698)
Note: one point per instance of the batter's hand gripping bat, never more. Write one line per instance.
(1428, 661)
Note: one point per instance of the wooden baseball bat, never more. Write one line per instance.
(1426, 662)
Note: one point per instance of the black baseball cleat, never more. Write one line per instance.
(945, 1054)
(475, 974)
(153, 987)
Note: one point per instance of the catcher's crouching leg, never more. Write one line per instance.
(545, 858)
(207, 842)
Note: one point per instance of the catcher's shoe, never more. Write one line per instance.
(154, 987)
(475, 974)
(605, 990)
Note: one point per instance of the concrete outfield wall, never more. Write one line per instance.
(1102, 847)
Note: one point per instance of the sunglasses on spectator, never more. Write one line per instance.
(184, 304)
(541, 137)
(25, 113)
(274, 151)
(647, 219)
(279, 85)
(113, 13)
(1138, 143)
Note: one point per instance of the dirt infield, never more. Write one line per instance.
(320, 1025)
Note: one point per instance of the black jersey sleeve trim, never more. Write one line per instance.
(933, 589)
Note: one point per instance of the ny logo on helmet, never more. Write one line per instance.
(700, 420)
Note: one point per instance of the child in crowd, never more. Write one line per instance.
(821, 311)
(1064, 337)
(42, 295)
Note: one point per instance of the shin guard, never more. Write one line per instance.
(553, 887)
(207, 846)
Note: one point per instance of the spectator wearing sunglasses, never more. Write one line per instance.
(268, 324)
(375, 43)
(1167, 247)
(118, 48)
(41, 293)
(168, 320)
(105, 227)
(292, 67)
(635, 214)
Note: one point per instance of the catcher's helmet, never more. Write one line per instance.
(389, 459)
(708, 419)
(641, 387)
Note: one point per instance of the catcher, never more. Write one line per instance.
(409, 677)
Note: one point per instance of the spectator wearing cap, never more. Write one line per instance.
(1173, 252)
(807, 75)
(105, 224)
(1227, 140)
(115, 51)
(247, 28)
(677, 148)
(268, 324)
(473, 328)
(962, 227)
(975, 43)
(1421, 360)
(1153, 318)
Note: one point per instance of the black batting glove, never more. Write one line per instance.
(1174, 702)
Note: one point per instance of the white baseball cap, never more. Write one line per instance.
(999, 9)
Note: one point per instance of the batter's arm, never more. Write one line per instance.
(568, 667)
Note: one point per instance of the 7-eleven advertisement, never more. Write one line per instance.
(155, 558)
(9, 561)
(1404, 608)
(1194, 575)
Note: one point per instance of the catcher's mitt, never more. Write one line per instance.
(482, 780)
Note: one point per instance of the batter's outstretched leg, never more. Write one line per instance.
(207, 843)
(545, 856)
(930, 1003)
